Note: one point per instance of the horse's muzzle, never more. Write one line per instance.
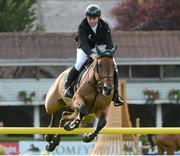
(107, 90)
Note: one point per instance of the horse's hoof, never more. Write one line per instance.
(56, 140)
(49, 137)
(88, 137)
(50, 147)
(69, 126)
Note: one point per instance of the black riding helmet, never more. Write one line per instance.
(93, 11)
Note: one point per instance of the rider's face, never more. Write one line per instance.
(92, 21)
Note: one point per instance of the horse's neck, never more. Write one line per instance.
(89, 76)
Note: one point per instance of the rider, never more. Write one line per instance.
(92, 30)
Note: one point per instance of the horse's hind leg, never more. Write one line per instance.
(53, 123)
(87, 137)
(56, 114)
(56, 138)
(52, 138)
(65, 115)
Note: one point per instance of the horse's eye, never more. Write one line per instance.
(100, 83)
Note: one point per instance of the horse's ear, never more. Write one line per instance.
(113, 50)
(99, 52)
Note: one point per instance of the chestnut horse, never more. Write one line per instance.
(93, 96)
(167, 142)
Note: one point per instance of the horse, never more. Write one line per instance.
(167, 142)
(93, 96)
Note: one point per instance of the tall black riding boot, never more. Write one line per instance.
(118, 101)
(72, 76)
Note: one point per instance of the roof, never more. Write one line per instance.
(151, 45)
(36, 45)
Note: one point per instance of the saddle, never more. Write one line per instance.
(76, 83)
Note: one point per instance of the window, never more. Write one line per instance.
(171, 71)
(50, 71)
(146, 71)
(123, 71)
(18, 72)
(31, 72)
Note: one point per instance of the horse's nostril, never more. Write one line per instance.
(107, 89)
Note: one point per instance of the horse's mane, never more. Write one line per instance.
(89, 69)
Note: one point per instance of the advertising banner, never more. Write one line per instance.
(9, 148)
(65, 148)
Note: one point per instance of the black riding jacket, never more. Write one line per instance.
(86, 38)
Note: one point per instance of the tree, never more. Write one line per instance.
(16, 15)
(148, 15)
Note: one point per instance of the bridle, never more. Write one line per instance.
(100, 78)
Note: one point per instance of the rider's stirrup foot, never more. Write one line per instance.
(118, 101)
(68, 93)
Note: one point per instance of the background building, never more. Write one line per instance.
(31, 62)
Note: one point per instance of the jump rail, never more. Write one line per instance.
(111, 130)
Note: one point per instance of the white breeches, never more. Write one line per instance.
(81, 58)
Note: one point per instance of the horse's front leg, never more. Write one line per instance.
(87, 137)
(80, 111)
